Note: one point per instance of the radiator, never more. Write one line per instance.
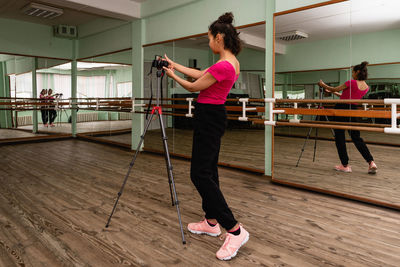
(85, 117)
(24, 120)
(124, 116)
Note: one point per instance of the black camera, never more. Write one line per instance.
(159, 63)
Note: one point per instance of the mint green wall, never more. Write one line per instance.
(124, 57)
(112, 40)
(19, 65)
(252, 59)
(26, 38)
(376, 47)
(282, 5)
(195, 17)
(153, 7)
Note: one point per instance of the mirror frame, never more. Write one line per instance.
(302, 186)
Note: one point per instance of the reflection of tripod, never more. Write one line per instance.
(317, 118)
(59, 115)
(157, 109)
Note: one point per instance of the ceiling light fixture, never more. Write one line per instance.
(42, 11)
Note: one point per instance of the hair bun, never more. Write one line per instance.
(364, 63)
(226, 18)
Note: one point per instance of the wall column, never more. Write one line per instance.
(137, 78)
(34, 94)
(269, 80)
(74, 86)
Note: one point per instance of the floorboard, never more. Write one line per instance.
(54, 206)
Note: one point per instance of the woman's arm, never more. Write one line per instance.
(335, 93)
(202, 83)
(196, 74)
(331, 88)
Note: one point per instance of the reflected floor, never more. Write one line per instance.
(240, 147)
(327, 133)
(11, 134)
(84, 127)
(384, 186)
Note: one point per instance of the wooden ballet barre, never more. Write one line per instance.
(343, 123)
(334, 101)
(327, 126)
(338, 112)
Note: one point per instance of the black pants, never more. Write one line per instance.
(45, 116)
(340, 138)
(209, 127)
(52, 115)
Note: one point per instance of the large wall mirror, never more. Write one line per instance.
(16, 83)
(243, 142)
(105, 76)
(323, 43)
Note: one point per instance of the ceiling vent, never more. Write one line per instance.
(41, 11)
(291, 36)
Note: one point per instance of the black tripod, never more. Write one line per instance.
(317, 118)
(158, 111)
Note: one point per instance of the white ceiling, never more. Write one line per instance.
(76, 12)
(341, 19)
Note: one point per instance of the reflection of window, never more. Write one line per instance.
(60, 83)
(93, 86)
(21, 85)
(124, 89)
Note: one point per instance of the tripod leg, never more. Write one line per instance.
(170, 175)
(315, 143)
(304, 145)
(130, 167)
(167, 162)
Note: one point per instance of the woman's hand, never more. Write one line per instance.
(321, 84)
(170, 62)
(326, 90)
(169, 71)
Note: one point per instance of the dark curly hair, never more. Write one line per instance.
(363, 74)
(223, 25)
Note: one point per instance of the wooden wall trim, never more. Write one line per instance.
(308, 7)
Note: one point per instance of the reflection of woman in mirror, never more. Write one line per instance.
(214, 84)
(352, 89)
(43, 109)
(52, 111)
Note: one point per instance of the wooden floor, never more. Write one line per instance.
(84, 127)
(240, 147)
(53, 214)
(10, 133)
(384, 186)
(369, 137)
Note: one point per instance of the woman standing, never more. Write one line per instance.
(214, 85)
(352, 89)
(52, 111)
(43, 109)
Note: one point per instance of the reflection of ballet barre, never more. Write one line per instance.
(394, 129)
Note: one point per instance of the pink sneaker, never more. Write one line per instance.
(45, 125)
(232, 244)
(372, 169)
(52, 125)
(204, 228)
(342, 168)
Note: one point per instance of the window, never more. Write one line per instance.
(124, 89)
(93, 86)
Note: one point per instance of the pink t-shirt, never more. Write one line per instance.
(352, 91)
(216, 94)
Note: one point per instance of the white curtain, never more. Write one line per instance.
(93, 86)
(124, 89)
(21, 85)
